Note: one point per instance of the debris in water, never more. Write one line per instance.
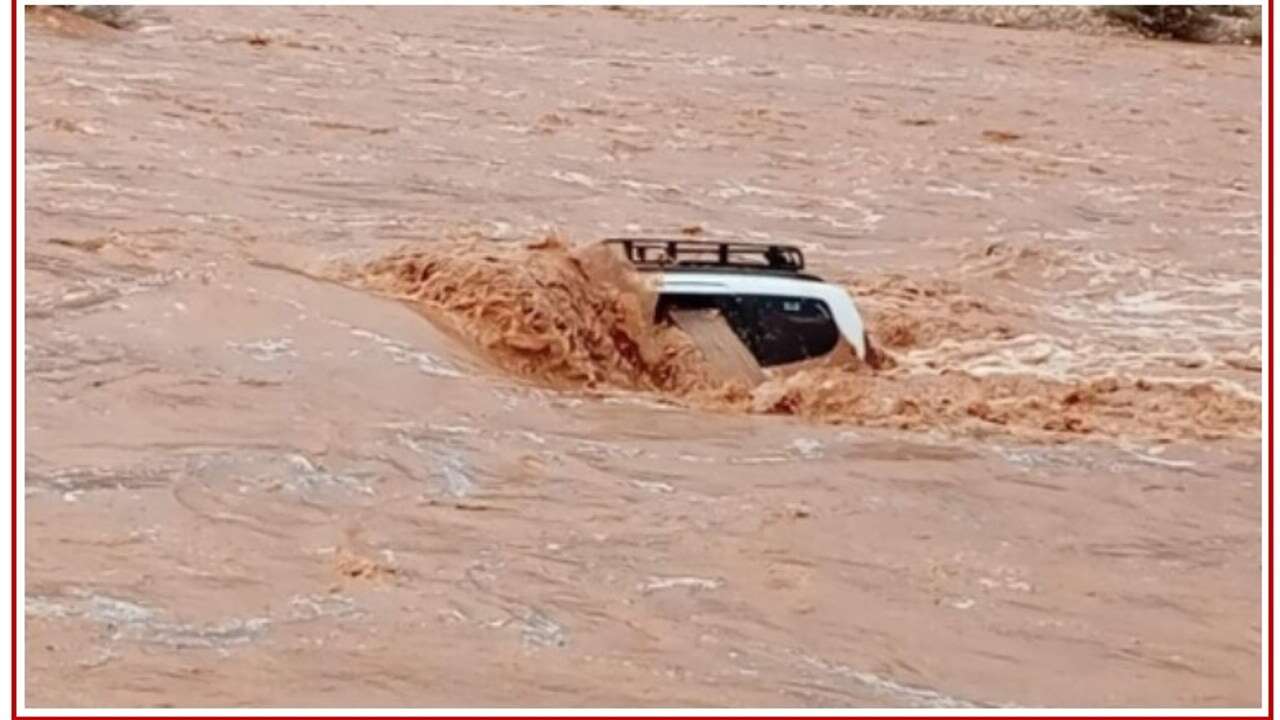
(655, 584)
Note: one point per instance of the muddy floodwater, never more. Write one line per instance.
(324, 406)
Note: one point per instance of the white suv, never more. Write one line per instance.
(779, 312)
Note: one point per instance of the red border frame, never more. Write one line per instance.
(13, 370)
(13, 353)
(1271, 378)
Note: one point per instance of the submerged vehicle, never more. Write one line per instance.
(779, 312)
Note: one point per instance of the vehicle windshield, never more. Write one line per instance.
(776, 329)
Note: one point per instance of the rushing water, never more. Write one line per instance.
(255, 477)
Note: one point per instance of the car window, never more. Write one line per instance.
(777, 330)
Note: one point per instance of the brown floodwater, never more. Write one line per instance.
(331, 402)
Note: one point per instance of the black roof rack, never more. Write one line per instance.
(663, 253)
